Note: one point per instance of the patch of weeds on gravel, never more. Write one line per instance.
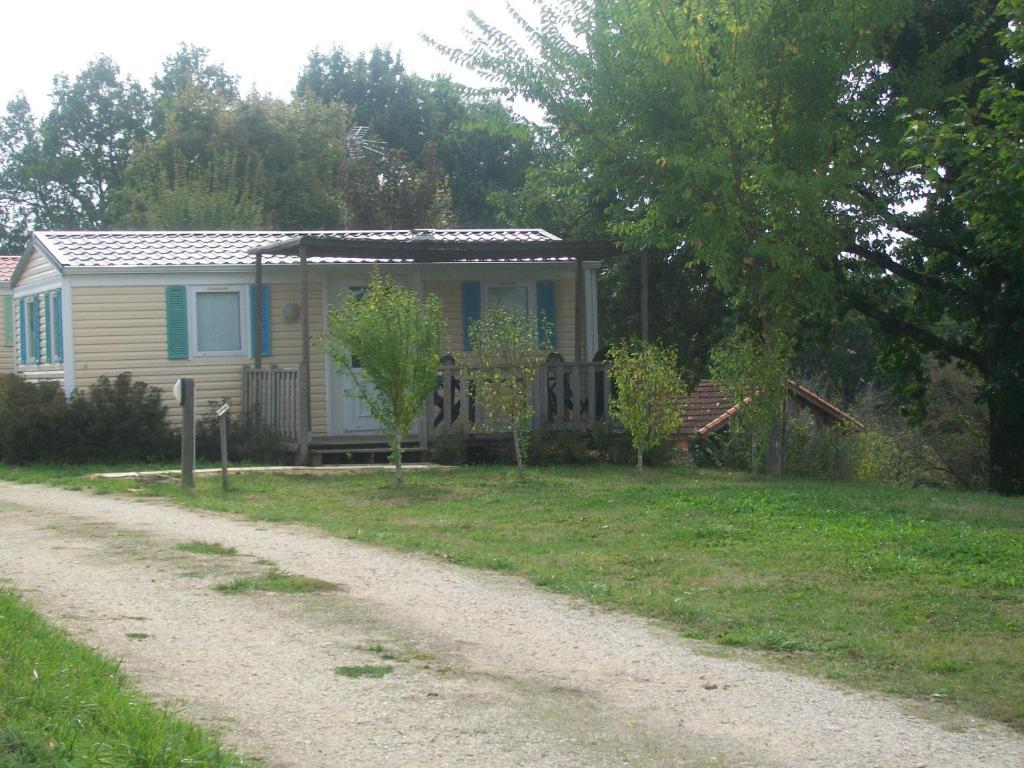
(206, 548)
(136, 635)
(384, 652)
(276, 580)
(370, 670)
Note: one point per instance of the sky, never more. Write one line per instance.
(266, 44)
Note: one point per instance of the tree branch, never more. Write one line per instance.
(923, 336)
(885, 261)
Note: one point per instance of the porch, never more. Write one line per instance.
(565, 396)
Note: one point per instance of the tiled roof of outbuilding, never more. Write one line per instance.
(708, 409)
(94, 249)
(7, 265)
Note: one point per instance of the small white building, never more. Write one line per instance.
(162, 305)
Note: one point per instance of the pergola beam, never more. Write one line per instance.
(305, 393)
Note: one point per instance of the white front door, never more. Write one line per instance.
(348, 413)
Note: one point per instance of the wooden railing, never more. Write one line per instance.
(566, 396)
(569, 396)
(270, 396)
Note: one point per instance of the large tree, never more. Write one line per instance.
(769, 138)
(60, 171)
(474, 139)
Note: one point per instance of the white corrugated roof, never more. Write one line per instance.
(99, 250)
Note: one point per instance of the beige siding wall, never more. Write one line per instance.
(124, 328)
(565, 318)
(450, 294)
(6, 352)
(38, 267)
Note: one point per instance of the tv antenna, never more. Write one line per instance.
(359, 144)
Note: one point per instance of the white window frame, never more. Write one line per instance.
(243, 318)
(531, 294)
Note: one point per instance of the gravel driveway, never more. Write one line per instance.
(488, 670)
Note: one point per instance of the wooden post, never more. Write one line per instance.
(222, 416)
(188, 433)
(645, 327)
(581, 331)
(302, 457)
(257, 348)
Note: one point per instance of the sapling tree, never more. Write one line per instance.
(649, 395)
(396, 337)
(510, 353)
(754, 375)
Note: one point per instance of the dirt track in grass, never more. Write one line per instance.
(487, 670)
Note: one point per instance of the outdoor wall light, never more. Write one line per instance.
(290, 312)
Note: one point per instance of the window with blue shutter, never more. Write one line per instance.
(23, 331)
(58, 325)
(48, 326)
(265, 345)
(36, 330)
(546, 320)
(176, 299)
(470, 308)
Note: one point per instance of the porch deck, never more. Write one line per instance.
(566, 396)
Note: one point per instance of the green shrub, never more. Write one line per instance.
(813, 450)
(248, 440)
(118, 420)
(449, 449)
(557, 448)
(114, 421)
(616, 447)
(33, 421)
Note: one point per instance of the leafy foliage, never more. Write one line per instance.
(790, 146)
(755, 376)
(649, 395)
(510, 355)
(397, 338)
(472, 140)
(114, 421)
(214, 196)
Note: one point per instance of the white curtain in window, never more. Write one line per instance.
(219, 322)
(513, 298)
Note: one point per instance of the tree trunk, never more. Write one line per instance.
(775, 453)
(639, 460)
(775, 448)
(519, 454)
(1006, 441)
(396, 455)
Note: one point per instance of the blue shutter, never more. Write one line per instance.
(265, 315)
(546, 313)
(58, 325)
(37, 346)
(49, 327)
(23, 330)
(176, 300)
(470, 309)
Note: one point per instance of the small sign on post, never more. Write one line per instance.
(222, 416)
(185, 393)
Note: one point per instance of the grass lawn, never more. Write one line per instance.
(62, 705)
(915, 592)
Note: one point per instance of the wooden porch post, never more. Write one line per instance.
(645, 326)
(303, 437)
(581, 330)
(257, 325)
